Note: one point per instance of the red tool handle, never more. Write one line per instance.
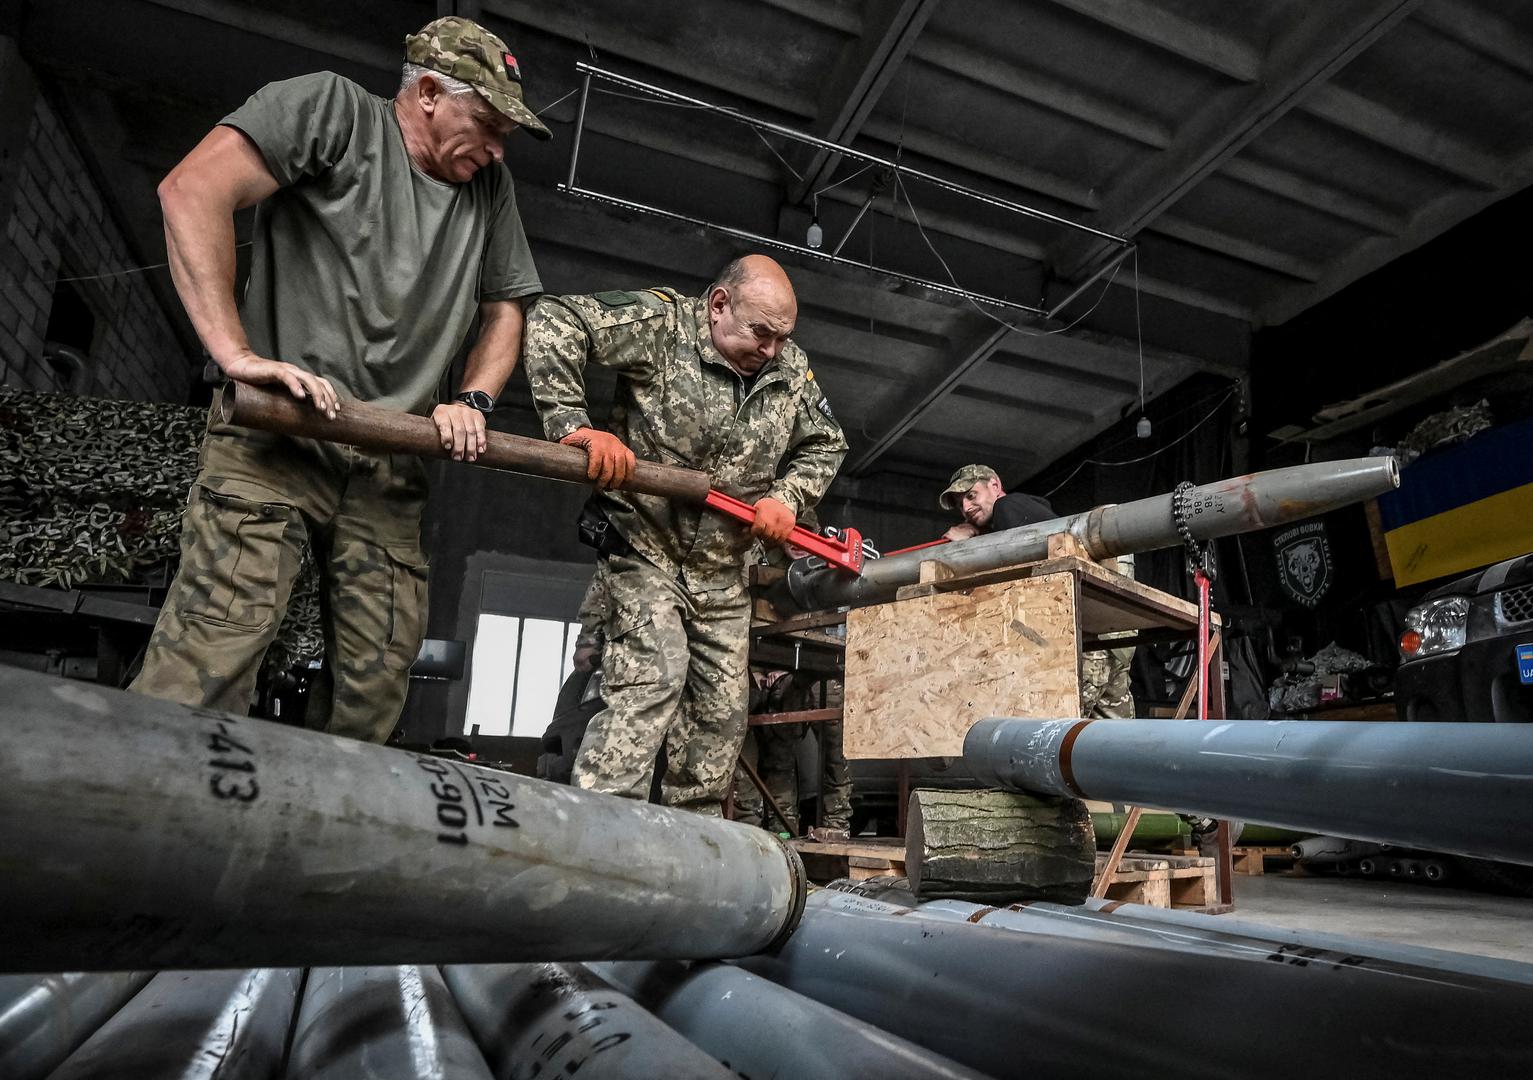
(847, 555)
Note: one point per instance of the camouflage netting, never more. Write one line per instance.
(92, 492)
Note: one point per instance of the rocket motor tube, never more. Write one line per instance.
(1460, 788)
(387, 431)
(142, 834)
(1226, 507)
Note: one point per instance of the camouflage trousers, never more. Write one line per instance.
(1105, 684)
(673, 673)
(258, 500)
(773, 752)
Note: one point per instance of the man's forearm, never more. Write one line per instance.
(199, 241)
(497, 349)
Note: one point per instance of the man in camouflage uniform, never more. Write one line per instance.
(383, 227)
(580, 697)
(975, 491)
(711, 383)
(772, 750)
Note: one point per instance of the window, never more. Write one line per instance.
(514, 678)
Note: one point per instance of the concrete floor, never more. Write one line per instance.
(1421, 915)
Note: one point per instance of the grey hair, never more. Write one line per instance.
(732, 276)
(411, 74)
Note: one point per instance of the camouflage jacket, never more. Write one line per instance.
(678, 401)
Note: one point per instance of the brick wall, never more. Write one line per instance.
(57, 227)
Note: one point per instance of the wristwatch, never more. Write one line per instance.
(476, 399)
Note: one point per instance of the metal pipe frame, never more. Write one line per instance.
(44, 1017)
(584, 68)
(143, 834)
(1223, 508)
(194, 1025)
(742, 1020)
(1462, 788)
(798, 249)
(543, 1020)
(570, 187)
(382, 1023)
(1046, 1001)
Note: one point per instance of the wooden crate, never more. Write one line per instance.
(1167, 881)
(954, 649)
(921, 672)
(857, 859)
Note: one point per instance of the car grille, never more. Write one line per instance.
(1515, 605)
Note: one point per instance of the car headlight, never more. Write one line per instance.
(1435, 626)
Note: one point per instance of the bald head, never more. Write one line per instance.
(751, 312)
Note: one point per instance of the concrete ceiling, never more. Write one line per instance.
(1264, 156)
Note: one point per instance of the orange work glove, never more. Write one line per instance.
(774, 521)
(609, 463)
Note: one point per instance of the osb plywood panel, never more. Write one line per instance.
(921, 672)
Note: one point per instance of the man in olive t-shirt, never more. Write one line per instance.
(382, 228)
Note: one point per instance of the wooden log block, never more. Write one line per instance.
(998, 846)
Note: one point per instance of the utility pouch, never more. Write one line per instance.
(597, 532)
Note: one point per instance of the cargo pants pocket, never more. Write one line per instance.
(407, 612)
(233, 554)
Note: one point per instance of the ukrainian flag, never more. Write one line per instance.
(1462, 508)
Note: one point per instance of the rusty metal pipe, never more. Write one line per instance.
(385, 430)
(1224, 508)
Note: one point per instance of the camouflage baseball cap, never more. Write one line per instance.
(465, 50)
(961, 481)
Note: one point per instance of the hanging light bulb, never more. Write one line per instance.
(816, 235)
(1142, 429)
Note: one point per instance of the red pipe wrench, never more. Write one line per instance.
(845, 554)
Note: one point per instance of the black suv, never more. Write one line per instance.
(1467, 650)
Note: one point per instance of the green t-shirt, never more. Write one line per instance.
(365, 270)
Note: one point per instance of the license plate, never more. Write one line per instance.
(1525, 664)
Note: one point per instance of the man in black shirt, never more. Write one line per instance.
(975, 492)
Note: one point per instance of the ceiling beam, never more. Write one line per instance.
(1076, 358)
(1431, 222)
(257, 20)
(1187, 38)
(1479, 30)
(926, 393)
(947, 151)
(1020, 404)
(1046, 91)
(1238, 247)
(1323, 43)
(889, 29)
(1425, 142)
(573, 23)
(1316, 196)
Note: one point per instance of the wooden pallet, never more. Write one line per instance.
(865, 857)
(1252, 860)
(1167, 881)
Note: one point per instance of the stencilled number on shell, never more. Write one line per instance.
(232, 763)
(449, 785)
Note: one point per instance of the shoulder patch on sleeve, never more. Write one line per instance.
(616, 298)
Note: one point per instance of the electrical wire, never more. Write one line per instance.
(561, 101)
(899, 184)
(1138, 330)
(126, 271)
(1143, 457)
